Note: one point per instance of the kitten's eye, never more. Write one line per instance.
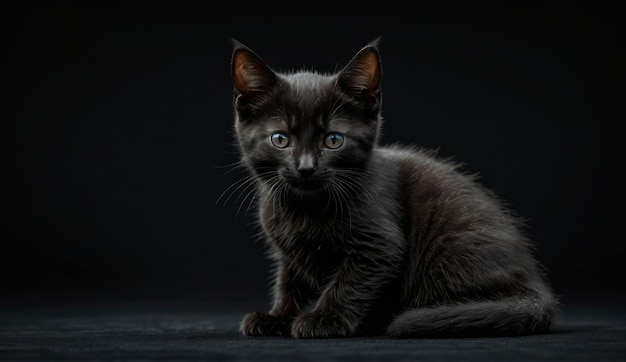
(334, 140)
(280, 140)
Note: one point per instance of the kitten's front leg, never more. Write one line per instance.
(290, 294)
(345, 300)
(264, 324)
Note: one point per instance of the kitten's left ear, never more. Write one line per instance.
(362, 76)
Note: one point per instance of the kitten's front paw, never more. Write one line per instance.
(263, 324)
(317, 325)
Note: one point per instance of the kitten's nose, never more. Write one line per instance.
(306, 165)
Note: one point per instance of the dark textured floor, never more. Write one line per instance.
(179, 332)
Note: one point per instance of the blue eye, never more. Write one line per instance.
(334, 140)
(279, 140)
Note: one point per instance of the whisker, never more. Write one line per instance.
(250, 204)
(246, 182)
(344, 197)
(354, 182)
(274, 189)
(233, 166)
(328, 191)
(244, 190)
(252, 192)
(335, 201)
(239, 183)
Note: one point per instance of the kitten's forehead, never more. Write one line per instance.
(308, 96)
(306, 79)
(308, 86)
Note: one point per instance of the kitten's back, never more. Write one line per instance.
(463, 243)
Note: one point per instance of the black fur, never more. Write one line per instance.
(386, 240)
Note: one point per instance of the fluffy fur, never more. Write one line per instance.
(384, 239)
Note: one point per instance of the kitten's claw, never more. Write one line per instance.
(317, 325)
(263, 324)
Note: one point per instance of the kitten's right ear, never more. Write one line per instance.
(362, 76)
(251, 77)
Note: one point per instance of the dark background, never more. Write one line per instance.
(116, 134)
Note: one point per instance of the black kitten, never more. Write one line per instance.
(386, 240)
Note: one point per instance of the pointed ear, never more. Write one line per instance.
(362, 76)
(250, 75)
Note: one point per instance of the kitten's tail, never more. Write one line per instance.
(505, 317)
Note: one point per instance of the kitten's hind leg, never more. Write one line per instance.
(506, 317)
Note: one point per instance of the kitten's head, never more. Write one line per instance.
(306, 130)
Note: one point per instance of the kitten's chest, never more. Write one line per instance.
(312, 244)
(290, 230)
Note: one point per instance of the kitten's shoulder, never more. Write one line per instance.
(416, 157)
(415, 165)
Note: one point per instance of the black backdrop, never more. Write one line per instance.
(116, 133)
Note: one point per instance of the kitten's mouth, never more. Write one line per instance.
(306, 186)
